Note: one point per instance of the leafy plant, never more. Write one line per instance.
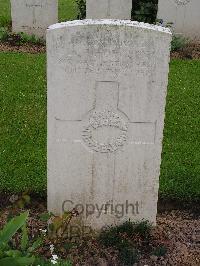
(16, 261)
(18, 39)
(10, 256)
(22, 256)
(23, 200)
(58, 225)
(145, 10)
(122, 238)
(25, 38)
(178, 43)
(128, 255)
(81, 9)
(45, 216)
(143, 229)
(4, 21)
(43, 262)
(160, 251)
(3, 34)
(11, 228)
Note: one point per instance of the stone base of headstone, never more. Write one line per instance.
(33, 16)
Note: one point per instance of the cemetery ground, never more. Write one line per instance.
(175, 240)
(23, 165)
(23, 126)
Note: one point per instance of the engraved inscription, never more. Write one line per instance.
(108, 119)
(31, 5)
(105, 48)
(182, 2)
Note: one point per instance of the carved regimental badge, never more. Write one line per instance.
(108, 129)
(106, 126)
(101, 120)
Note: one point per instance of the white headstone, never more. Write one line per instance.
(108, 9)
(184, 14)
(33, 16)
(107, 83)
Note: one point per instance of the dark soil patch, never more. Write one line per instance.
(25, 48)
(177, 231)
(190, 51)
(174, 204)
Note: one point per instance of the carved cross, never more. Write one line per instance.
(33, 8)
(106, 129)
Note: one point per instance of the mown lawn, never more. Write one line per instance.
(5, 16)
(67, 11)
(22, 121)
(180, 170)
(23, 127)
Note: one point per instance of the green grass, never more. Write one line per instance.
(5, 16)
(67, 11)
(180, 169)
(23, 127)
(22, 122)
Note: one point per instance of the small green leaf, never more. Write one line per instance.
(66, 263)
(12, 227)
(13, 253)
(45, 216)
(36, 245)
(20, 203)
(27, 199)
(2, 255)
(21, 261)
(24, 239)
(9, 262)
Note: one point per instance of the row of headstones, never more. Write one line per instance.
(34, 16)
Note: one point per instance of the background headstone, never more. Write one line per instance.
(107, 83)
(184, 14)
(108, 9)
(33, 16)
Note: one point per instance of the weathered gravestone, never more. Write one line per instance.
(184, 14)
(33, 16)
(107, 83)
(115, 9)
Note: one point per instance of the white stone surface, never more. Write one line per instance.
(33, 16)
(108, 9)
(107, 83)
(184, 14)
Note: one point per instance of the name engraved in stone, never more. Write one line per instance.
(182, 2)
(39, 5)
(73, 65)
(33, 27)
